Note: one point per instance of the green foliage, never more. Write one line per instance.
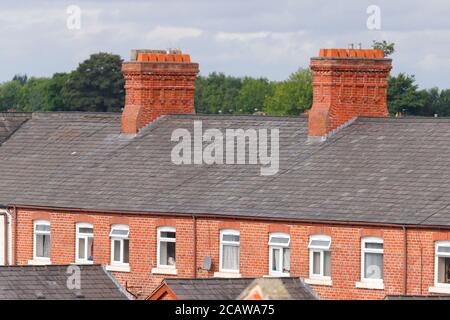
(403, 95)
(11, 93)
(96, 85)
(291, 97)
(253, 94)
(388, 48)
(217, 93)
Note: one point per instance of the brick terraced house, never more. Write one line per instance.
(359, 209)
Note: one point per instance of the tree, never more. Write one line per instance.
(253, 94)
(11, 93)
(388, 48)
(35, 95)
(56, 96)
(97, 85)
(21, 79)
(291, 97)
(403, 95)
(217, 93)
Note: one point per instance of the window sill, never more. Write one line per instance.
(277, 275)
(37, 262)
(116, 268)
(83, 262)
(375, 285)
(319, 282)
(227, 274)
(169, 271)
(439, 289)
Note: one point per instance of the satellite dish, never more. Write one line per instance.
(207, 263)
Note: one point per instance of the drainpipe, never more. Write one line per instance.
(405, 261)
(16, 222)
(194, 221)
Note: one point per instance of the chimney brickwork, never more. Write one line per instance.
(157, 83)
(347, 83)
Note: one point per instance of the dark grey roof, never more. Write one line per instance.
(231, 288)
(51, 283)
(377, 170)
(10, 122)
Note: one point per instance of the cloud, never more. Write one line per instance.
(173, 33)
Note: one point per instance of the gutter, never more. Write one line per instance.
(230, 217)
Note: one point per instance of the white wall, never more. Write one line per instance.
(2, 240)
(4, 228)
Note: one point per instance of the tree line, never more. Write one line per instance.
(97, 85)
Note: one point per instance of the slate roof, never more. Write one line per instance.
(377, 170)
(10, 122)
(50, 283)
(231, 288)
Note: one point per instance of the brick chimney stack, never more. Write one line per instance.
(347, 83)
(157, 82)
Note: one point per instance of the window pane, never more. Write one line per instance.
(316, 262)
(42, 227)
(442, 249)
(167, 253)
(42, 246)
(86, 230)
(327, 264)
(286, 260)
(320, 243)
(373, 266)
(90, 248)
(443, 270)
(117, 250)
(119, 232)
(230, 259)
(126, 248)
(372, 245)
(276, 260)
(279, 240)
(81, 248)
(230, 237)
(167, 234)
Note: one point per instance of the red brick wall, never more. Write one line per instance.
(345, 248)
(346, 87)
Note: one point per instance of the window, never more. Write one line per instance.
(319, 257)
(119, 244)
(279, 254)
(166, 247)
(229, 251)
(41, 240)
(442, 264)
(84, 243)
(372, 259)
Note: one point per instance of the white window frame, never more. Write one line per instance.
(121, 238)
(35, 233)
(363, 262)
(158, 250)
(281, 247)
(437, 255)
(321, 250)
(232, 232)
(79, 235)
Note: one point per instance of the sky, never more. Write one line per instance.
(257, 38)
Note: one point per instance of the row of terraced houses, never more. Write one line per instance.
(359, 207)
